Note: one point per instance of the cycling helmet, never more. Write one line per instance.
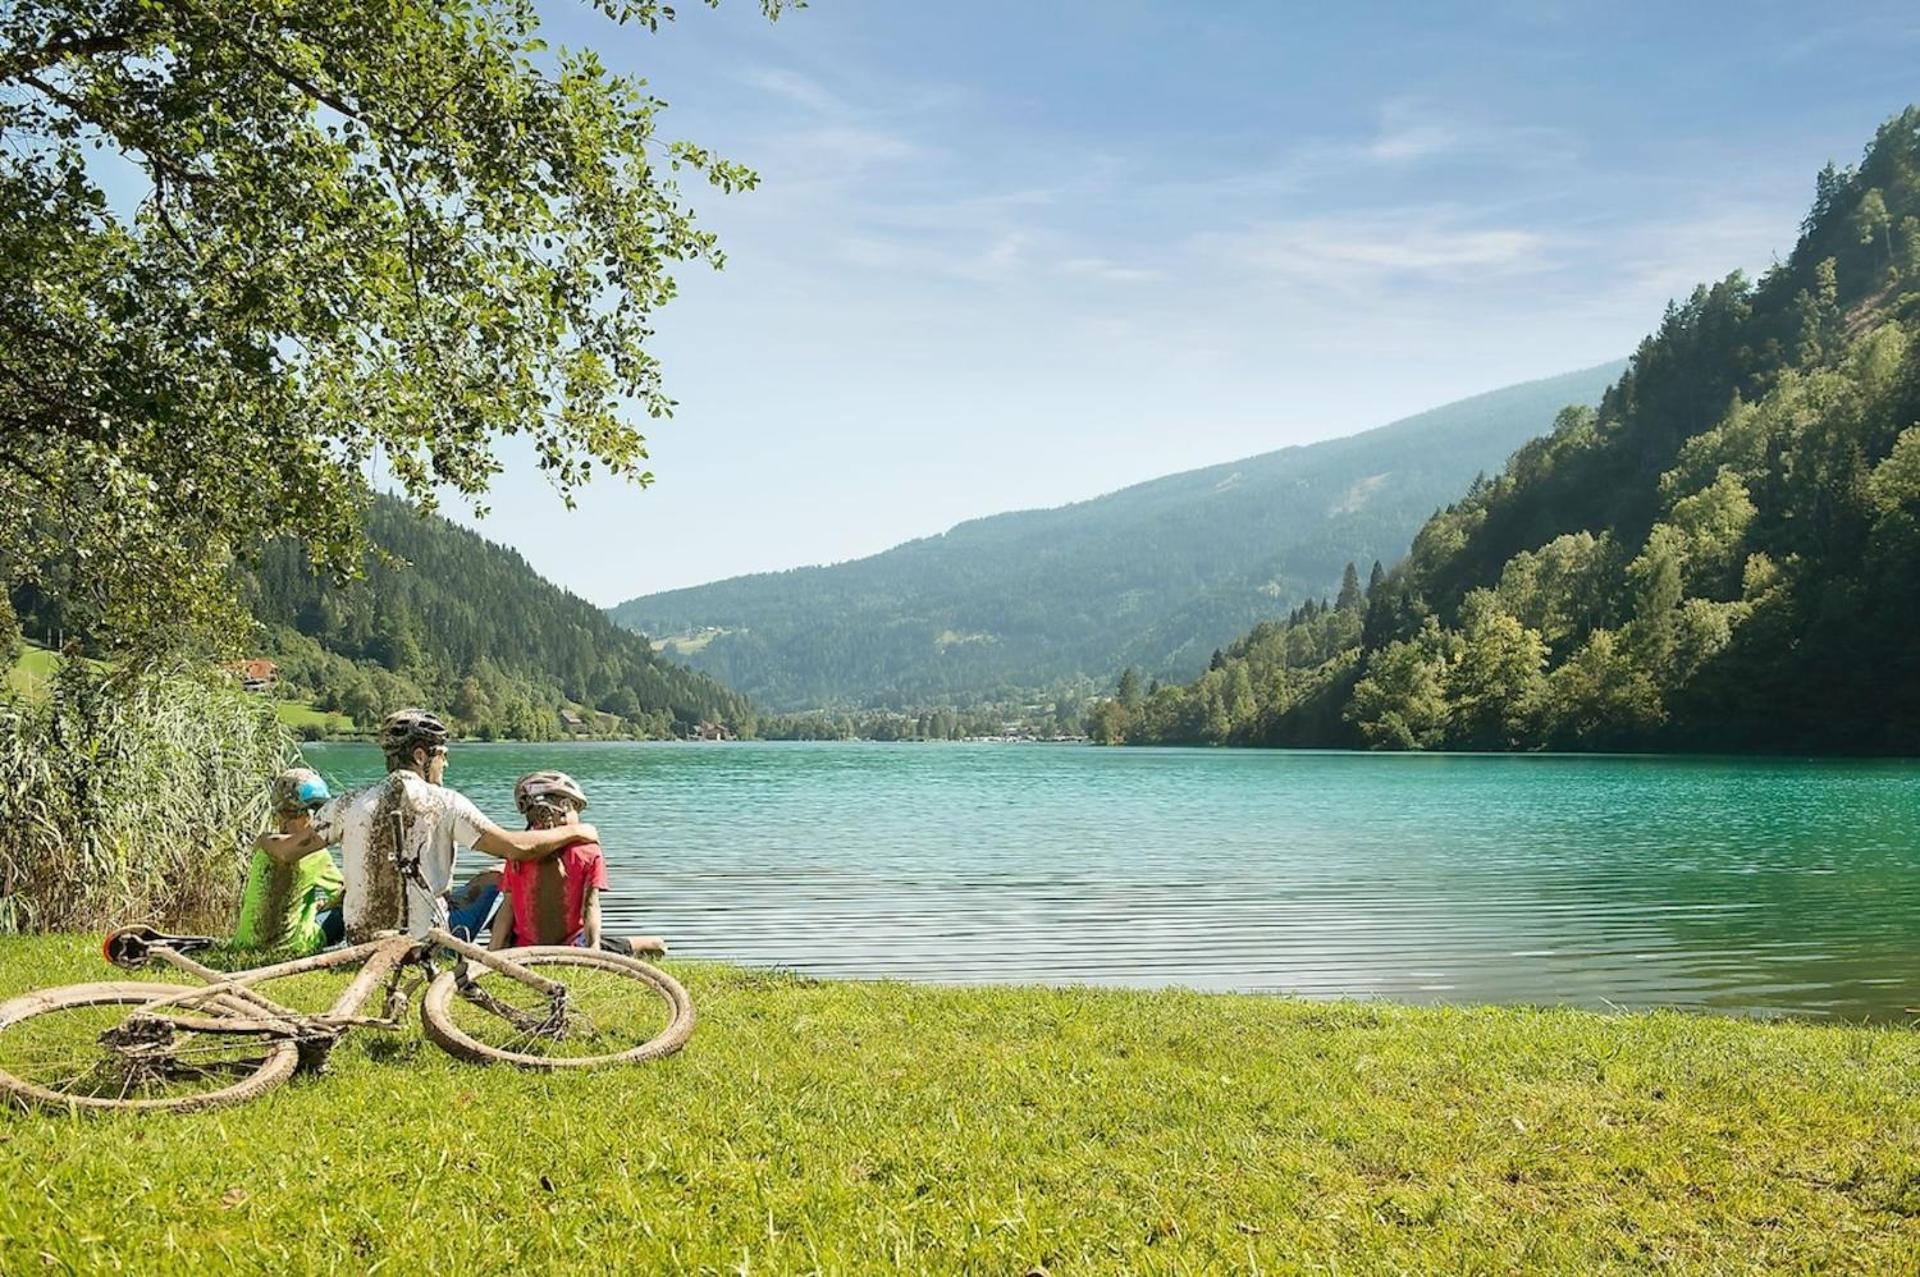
(298, 789)
(405, 729)
(548, 789)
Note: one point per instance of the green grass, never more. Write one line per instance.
(32, 669)
(864, 1127)
(687, 644)
(299, 714)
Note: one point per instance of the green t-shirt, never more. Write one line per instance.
(281, 907)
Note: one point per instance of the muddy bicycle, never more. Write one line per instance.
(145, 1045)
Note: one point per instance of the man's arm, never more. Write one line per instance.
(530, 844)
(288, 849)
(590, 919)
(502, 933)
(321, 830)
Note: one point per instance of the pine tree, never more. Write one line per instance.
(1873, 221)
(1350, 596)
(1828, 187)
(1909, 263)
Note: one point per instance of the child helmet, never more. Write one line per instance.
(548, 789)
(298, 789)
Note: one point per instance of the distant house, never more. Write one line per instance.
(710, 731)
(572, 722)
(257, 675)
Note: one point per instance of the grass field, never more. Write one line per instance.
(862, 1127)
(32, 669)
(688, 644)
(298, 714)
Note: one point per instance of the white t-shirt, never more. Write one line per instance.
(438, 821)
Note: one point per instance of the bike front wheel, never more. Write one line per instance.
(84, 1048)
(616, 1011)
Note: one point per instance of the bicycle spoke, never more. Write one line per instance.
(604, 1013)
(217, 1070)
(111, 1052)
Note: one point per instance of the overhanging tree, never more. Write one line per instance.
(249, 246)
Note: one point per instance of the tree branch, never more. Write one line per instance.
(127, 145)
(287, 74)
(19, 466)
(29, 61)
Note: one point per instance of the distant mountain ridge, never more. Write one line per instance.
(468, 627)
(1156, 575)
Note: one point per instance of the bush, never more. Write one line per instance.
(126, 799)
(9, 633)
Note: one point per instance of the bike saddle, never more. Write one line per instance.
(133, 946)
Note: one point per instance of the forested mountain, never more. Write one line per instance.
(458, 623)
(1156, 575)
(1726, 555)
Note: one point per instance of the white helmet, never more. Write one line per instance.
(548, 789)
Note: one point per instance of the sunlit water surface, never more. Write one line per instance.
(1761, 887)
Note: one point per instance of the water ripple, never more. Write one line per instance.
(1763, 887)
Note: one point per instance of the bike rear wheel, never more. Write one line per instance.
(617, 1011)
(73, 1049)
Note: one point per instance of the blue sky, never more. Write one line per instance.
(1017, 254)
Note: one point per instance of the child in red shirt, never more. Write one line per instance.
(556, 900)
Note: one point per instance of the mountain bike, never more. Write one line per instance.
(150, 1046)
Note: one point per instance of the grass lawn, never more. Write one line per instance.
(299, 714)
(32, 669)
(687, 644)
(861, 1127)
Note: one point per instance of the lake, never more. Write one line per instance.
(1750, 886)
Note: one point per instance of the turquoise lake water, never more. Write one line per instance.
(1758, 887)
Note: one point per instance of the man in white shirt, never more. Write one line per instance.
(411, 820)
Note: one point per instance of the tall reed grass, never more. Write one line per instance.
(127, 798)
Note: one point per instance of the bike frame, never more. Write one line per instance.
(244, 1009)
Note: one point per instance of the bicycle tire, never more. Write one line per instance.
(436, 1009)
(276, 1065)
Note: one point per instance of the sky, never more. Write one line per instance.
(1007, 255)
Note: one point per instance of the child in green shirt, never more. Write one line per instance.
(292, 903)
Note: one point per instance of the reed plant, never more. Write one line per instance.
(130, 797)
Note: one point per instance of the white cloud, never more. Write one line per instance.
(795, 88)
(1369, 250)
(982, 251)
(1667, 258)
(841, 140)
(1001, 258)
(853, 144)
(1410, 132)
(1106, 271)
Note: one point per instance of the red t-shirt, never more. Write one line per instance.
(550, 896)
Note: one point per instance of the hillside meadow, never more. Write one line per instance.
(853, 1127)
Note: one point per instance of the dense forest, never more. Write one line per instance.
(1155, 575)
(445, 618)
(1725, 555)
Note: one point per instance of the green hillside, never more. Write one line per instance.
(454, 621)
(1157, 575)
(1726, 555)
